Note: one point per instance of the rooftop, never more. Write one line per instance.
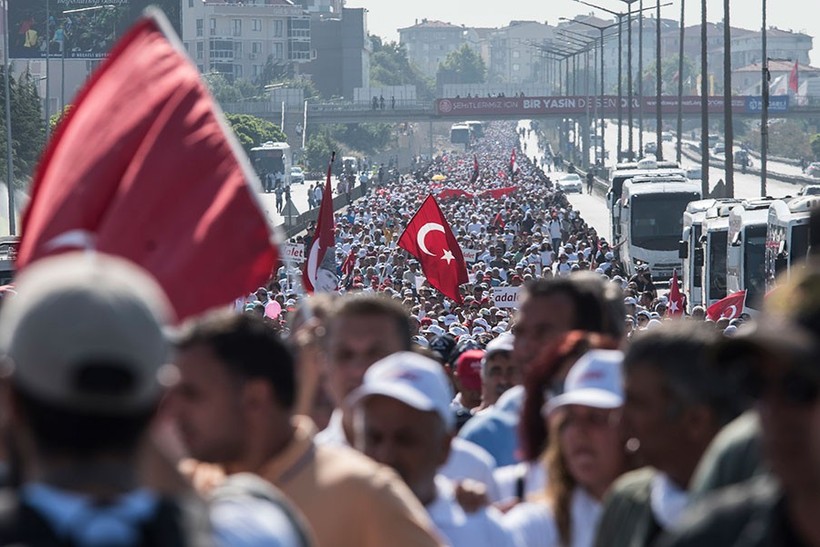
(431, 24)
(778, 66)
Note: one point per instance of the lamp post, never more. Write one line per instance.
(729, 164)
(704, 103)
(640, 77)
(629, 89)
(601, 30)
(9, 155)
(764, 112)
(658, 87)
(679, 149)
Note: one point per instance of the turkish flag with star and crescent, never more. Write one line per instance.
(428, 237)
(729, 307)
(676, 303)
(145, 168)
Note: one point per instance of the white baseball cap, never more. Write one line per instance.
(412, 379)
(595, 380)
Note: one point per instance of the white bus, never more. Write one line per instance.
(626, 171)
(272, 160)
(745, 251)
(691, 251)
(787, 235)
(651, 222)
(713, 242)
(460, 134)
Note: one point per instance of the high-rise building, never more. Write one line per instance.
(429, 42)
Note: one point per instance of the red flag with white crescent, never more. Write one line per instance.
(729, 307)
(676, 301)
(428, 237)
(319, 274)
(144, 168)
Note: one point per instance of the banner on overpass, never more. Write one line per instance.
(545, 106)
(777, 103)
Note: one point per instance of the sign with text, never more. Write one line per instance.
(506, 297)
(777, 103)
(294, 252)
(470, 255)
(533, 106)
(76, 29)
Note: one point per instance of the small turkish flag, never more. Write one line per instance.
(429, 238)
(794, 80)
(143, 167)
(319, 274)
(729, 307)
(676, 301)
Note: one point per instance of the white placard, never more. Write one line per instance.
(505, 297)
(470, 255)
(294, 252)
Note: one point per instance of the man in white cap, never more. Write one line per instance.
(499, 372)
(403, 420)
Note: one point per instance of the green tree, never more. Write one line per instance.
(787, 139)
(390, 66)
(318, 149)
(27, 130)
(365, 137)
(462, 66)
(815, 146)
(252, 131)
(227, 91)
(669, 76)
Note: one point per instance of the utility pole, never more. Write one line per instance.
(679, 150)
(704, 103)
(640, 78)
(727, 102)
(659, 86)
(9, 155)
(764, 111)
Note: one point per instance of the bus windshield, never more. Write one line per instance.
(268, 161)
(754, 262)
(657, 220)
(800, 243)
(717, 264)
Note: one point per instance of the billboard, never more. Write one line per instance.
(78, 29)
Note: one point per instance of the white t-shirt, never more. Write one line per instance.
(535, 524)
(469, 461)
(460, 529)
(534, 474)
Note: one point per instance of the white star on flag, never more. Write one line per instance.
(448, 256)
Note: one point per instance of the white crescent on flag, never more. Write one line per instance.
(730, 312)
(427, 228)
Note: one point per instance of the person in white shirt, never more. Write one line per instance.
(402, 419)
(584, 456)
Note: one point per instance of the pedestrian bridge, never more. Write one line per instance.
(520, 107)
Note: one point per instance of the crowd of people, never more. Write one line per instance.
(384, 413)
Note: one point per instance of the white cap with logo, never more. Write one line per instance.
(412, 379)
(595, 380)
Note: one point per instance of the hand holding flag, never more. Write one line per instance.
(319, 274)
(729, 307)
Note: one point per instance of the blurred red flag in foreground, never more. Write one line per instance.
(144, 168)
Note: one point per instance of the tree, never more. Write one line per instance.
(462, 66)
(226, 91)
(669, 75)
(815, 146)
(365, 137)
(389, 66)
(252, 131)
(27, 130)
(318, 150)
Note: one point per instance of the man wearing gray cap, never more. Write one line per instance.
(403, 420)
(84, 355)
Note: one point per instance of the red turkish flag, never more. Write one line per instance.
(428, 237)
(676, 300)
(513, 162)
(498, 193)
(145, 168)
(794, 80)
(319, 274)
(729, 307)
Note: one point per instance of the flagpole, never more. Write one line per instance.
(9, 159)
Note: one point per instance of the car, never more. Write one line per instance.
(813, 170)
(719, 148)
(297, 175)
(667, 136)
(570, 183)
(810, 190)
(694, 174)
(650, 148)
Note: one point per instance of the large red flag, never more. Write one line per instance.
(319, 274)
(676, 301)
(498, 193)
(794, 81)
(143, 167)
(428, 237)
(729, 307)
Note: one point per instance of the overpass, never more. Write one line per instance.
(515, 108)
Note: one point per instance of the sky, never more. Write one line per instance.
(386, 16)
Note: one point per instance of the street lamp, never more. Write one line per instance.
(601, 30)
(9, 158)
(764, 112)
(629, 92)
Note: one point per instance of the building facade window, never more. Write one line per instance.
(237, 27)
(200, 27)
(278, 50)
(256, 25)
(200, 50)
(278, 28)
(190, 3)
(212, 25)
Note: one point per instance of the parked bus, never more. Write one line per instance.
(476, 129)
(745, 251)
(460, 134)
(691, 251)
(272, 160)
(787, 235)
(651, 222)
(713, 243)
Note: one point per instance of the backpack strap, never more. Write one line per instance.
(250, 485)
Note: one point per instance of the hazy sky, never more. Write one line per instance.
(385, 16)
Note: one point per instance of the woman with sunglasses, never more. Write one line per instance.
(584, 455)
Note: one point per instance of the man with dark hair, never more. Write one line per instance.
(676, 402)
(549, 308)
(84, 356)
(234, 407)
